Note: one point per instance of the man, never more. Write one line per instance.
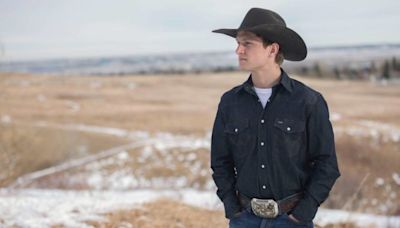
(272, 152)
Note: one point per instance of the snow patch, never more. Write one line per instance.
(131, 86)
(41, 98)
(396, 178)
(335, 116)
(379, 181)
(372, 129)
(73, 106)
(6, 119)
(72, 208)
(95, 84)
(29, 178)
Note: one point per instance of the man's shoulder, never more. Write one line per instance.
(310, 94)
(230, 94)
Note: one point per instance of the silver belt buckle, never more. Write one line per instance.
(265, 208)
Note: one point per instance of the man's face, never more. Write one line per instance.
(251, 51)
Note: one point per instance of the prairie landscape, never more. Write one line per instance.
(133, 151)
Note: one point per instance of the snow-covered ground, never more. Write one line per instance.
(43, 208)
(28, 207)
(371, 129)
(147, 145)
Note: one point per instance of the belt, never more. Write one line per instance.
(269, 208)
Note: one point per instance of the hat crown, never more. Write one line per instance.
(271, 27)
(258, 16)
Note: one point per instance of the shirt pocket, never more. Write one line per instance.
(289, 135)
(238, 132)
(289, 126)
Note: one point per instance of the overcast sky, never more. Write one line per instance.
(37, 29)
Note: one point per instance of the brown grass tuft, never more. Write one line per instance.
(164, 214)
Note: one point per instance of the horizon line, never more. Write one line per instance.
(154, 54)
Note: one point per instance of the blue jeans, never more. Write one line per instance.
(248, 220)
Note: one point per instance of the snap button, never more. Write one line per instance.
(236, 130)
(288, 129)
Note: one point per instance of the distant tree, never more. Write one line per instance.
(354, 73)
(373, 67)
(336, 71)
(317, 70)
(386, 70)
(395, 64)
(304, 70)
(347, 72)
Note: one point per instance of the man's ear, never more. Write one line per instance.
(274, 49)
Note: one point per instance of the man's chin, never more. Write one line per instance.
(243, 68)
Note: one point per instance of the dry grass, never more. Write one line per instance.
(159, 170)
(164, 214)
(179, 104)
(341, 225)
(360, 158)
(183, 104)
(25, 149)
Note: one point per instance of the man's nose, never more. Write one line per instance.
(239, 49)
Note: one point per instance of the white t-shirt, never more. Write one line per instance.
(263, 94)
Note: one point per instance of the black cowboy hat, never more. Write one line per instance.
(272, 27)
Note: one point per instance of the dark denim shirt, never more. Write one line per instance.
(273, 152)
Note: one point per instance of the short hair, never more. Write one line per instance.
(279, 57)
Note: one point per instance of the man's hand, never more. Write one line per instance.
(237, 214)
(295, 220)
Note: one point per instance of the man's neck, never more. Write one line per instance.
(266, 78)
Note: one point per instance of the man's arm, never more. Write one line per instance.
(223, 167)
(325, 171)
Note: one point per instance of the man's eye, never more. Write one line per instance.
(245, 44)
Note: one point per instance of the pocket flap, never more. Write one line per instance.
(289, 126)
(236, 127)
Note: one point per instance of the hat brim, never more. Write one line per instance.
(291, 44)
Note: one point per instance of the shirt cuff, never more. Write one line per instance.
(231, 205)
(306, 209)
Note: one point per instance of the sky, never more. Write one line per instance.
(45, 29)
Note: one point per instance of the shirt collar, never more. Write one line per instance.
(285, 81)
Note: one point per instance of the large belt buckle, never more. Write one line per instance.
(265, 208)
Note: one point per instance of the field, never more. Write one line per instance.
(152, 133)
